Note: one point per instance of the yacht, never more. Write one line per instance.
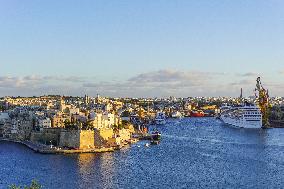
(176, 114)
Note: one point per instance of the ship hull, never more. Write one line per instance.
(197, 115)
(253, 124)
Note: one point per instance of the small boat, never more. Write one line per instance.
(147, 144)
(155, 137)
(155, 142)
(176, 114)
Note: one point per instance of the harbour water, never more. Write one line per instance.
(193, 153)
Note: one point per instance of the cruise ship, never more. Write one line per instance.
(243, 116)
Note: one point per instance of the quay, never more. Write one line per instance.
(48, 149)
(277, 123)
(44, 149)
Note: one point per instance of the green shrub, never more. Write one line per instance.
(34, 185)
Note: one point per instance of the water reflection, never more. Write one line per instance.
(94, 167)
(106, 169)
(85, 162)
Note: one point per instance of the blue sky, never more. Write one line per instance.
(140, 48)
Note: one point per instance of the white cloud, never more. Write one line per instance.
(159, 83)
(243, 82)
(249, 74)
(18, 82)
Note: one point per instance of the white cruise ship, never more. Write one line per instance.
(243, 116)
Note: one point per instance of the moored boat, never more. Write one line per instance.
(197, 113)
(176, 114)
(155, 137)
(248, 115)
(242, 116)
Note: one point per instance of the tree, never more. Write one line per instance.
(89, 124)
(34, 185)
(115, 127)
(125, 122)
(276, 113)
(67, 124)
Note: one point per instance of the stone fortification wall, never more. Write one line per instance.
(77, 139)
(46, 136)
(102, 136)
(87, 139)
(70, 139)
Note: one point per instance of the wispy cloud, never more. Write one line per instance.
(243, 82)
(281, 72)
(158, 83)
(67, 79)
(18, 82)
(35, 80)
(185, 78)
(249, 74)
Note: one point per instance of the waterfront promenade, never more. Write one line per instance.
(47, 149)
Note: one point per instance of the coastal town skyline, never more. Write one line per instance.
(140, 49)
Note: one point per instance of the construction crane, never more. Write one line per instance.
(263, 102)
